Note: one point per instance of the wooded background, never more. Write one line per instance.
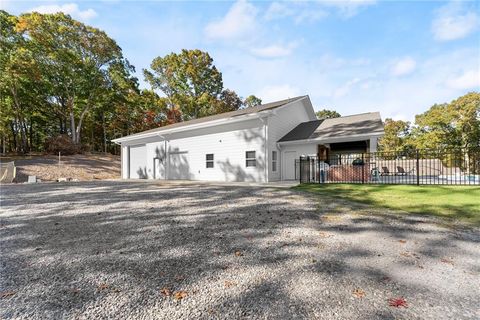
(66, 86)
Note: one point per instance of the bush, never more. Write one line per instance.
(62, 144)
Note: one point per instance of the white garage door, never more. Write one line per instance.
(138, 162)
(179, 166)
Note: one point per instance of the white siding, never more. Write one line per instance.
(300, 150)
(138, 162)
(285, 119)
(228, 143)
(124, 162)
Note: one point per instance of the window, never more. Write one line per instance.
(251, 160)
(209, 159)
(274, 161)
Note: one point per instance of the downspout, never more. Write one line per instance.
(279, 159)
(265, 135)
(166, 155)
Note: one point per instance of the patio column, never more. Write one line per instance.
(373, 144)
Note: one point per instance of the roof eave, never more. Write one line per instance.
(333, 139)
(211, 123)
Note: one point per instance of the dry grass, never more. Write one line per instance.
(83, 167)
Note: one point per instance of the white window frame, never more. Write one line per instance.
(274, 161)
(247, 159)
(207, 161)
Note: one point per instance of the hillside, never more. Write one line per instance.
(83, 167)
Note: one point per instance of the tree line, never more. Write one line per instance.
(444, 126)
(64, 81)
(451, 125)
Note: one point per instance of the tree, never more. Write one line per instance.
(396, 137)
(450, 125)
(327, 114)
(75, 59)
(252, 101)
(190, 81)
(20, 82)
(228, 101)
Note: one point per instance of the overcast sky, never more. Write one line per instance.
(396, 57)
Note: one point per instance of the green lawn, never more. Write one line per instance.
(455, 202)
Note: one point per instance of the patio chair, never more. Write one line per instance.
(401, 171)
(385, 172)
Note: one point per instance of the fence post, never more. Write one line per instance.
(363, 168)
(300, 169)
(418, 167)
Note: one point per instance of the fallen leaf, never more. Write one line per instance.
(325, 234)
(6, 294)
(102, 286)
(166, 292)
(446, 260)
(359, 293)
(402, 241)
(229, 284)
(397, 302)
(238, 253)
(406, 254)
(179, 295)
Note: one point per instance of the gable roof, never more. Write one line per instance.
(357, 124)
(225, 115)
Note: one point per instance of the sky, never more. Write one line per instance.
(396, 57)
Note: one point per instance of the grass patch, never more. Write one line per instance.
(454, 202)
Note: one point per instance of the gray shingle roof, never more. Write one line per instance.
(241, 112)
(303, 131)
(357, 124)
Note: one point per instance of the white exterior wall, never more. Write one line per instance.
(228, 143)
(285, 119)
(124, 162)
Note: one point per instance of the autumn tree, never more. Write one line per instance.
(192, 85)
(75, 59)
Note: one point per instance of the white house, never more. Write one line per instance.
(255, 144)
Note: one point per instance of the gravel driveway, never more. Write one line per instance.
(143, 250)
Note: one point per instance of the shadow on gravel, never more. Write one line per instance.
(66, 248)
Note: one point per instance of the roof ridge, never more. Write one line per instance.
(353, 115)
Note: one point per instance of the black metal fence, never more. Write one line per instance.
(419, 167)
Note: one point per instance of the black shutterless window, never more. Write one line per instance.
(209, 160)
(250, 159)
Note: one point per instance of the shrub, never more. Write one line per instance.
(62, 143)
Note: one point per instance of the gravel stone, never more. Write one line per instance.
(108, 249)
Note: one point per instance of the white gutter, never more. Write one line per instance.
(331, 140)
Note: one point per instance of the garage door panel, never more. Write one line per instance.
(179, 166)
(138, 162)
